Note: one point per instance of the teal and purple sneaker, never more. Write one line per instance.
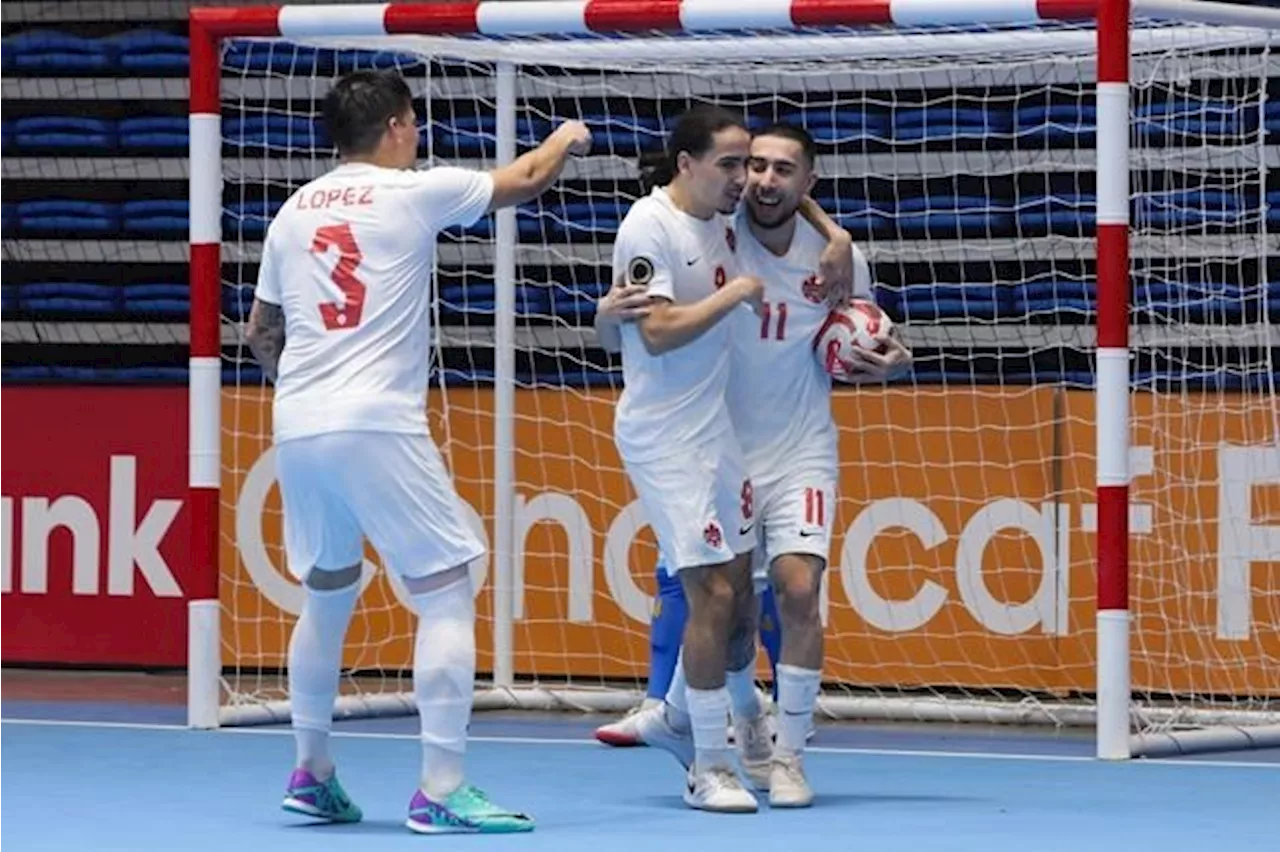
(466, 810)
(324, 800)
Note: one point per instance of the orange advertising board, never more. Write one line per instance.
(963, 553)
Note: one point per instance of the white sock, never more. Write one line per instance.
(742, 693)
(444, 674)
(677, 700)
(797, 694)
(709, 710)
(315, 661)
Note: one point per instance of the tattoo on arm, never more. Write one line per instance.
(265, 336)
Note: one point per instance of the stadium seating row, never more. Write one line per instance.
(1065, 299)
(937, 216)
(1060, 124)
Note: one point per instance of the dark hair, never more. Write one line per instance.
(358, 107)
(795, 133)
(695, 133)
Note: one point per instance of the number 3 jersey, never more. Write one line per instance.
(349, 258)
(779, 396)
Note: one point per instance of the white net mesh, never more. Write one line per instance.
(963, 163)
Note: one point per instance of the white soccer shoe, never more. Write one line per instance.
(654, 730)
(754, 741)
(718, 789)
(788, 788)
(623, 733)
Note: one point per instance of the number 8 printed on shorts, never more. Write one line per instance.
(748, 499)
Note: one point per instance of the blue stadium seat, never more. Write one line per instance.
(94, 375)
(1191, 121)
(237, 299)
(928, 302)
(478, 298)
(863, 219)
(8, 298)
(576, 303)
(1070, 214)
(249, 218)
(167, 300)
(150, 51)
(68, 218)
(1049, 297)
(830, 126)
(950, 216)
(69, 297)
(564, 221)
(1192, 209)
(279, 132)
(1057, 124)
(282, 57)
(8, 219)
(1193, 301)
(1271, 118)
(55, 133)
(624, 135)
(949, 122)
(154, 133)
(55, 52)
(476, 135)
(154, 217)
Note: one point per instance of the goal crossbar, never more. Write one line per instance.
(503, 28)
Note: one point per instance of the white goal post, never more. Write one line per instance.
(1068, 207)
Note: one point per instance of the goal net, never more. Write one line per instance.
(963, 160)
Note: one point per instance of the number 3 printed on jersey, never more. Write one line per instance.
(347, 314)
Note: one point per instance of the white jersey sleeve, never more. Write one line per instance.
(861, 276)
(641, 251)
(674, 400)
(446, 196)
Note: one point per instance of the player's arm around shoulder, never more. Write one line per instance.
(669, 326)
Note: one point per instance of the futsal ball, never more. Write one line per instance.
(861, 325)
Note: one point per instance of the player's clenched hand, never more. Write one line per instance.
(835, 270)
(625, 302)
(750, 291)
(865, 367)
(577, 135)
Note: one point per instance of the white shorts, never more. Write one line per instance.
(796, 512)
(699, 503)
(392, 487)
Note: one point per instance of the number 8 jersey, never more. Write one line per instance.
(349, 259)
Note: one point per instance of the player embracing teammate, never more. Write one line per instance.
(725, 428)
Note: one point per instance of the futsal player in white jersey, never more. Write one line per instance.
(780, 402)
(676, 439)
(340, 324)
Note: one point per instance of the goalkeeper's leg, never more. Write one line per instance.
(665, 635)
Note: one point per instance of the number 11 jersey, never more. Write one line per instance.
(349, 258)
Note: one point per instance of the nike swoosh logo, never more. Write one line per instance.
(746, 529)
(692, 262)
(809, 533)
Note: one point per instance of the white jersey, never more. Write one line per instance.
(779, 396)
(676, 399)
(349, 259)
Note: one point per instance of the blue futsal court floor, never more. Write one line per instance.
(125, 775)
